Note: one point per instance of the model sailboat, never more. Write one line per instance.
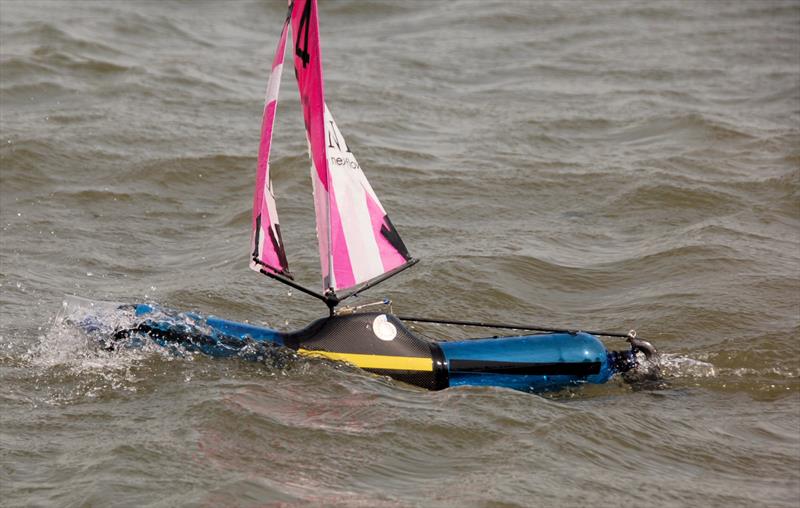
(358, 248)
(358, 244)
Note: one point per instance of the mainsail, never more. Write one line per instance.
(358, 244)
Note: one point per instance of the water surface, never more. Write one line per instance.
(593, 165)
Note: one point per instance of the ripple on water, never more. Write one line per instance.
(619, 165)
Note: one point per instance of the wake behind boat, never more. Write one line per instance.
(359, 247)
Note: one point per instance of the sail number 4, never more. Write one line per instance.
(302, 30)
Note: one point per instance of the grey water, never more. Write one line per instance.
(598, 165)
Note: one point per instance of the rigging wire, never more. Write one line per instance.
(536, 328)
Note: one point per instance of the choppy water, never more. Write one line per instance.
(600, 165)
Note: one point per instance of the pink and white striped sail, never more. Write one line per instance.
(357, 241)
(266, 243)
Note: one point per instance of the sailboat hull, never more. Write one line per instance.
(376, 342)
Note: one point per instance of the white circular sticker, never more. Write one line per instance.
(383, 329)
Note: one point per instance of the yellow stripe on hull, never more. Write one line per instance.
(375, 361)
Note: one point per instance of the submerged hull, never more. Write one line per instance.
(381, 344)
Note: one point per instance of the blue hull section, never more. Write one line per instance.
(531, 362)
(220, 327)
